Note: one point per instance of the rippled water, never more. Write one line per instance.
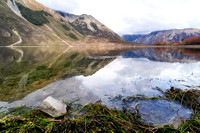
(129, 73)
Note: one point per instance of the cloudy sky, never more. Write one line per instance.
(134, 16)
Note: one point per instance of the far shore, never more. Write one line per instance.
(117, 45)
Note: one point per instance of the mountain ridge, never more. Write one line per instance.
(163, 35)
(88, 25)
(44, 27)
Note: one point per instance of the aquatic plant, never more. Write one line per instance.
(94, 118)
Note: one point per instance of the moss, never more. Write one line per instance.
(89, 118)
(35, 17)
(96, 118)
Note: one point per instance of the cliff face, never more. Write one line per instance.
(27, 22)
(165, 35)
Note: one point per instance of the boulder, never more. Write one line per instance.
(53, 107)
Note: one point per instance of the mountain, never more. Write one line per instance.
(168, 35)
(88, 25)
(165, 55)
(27, 22)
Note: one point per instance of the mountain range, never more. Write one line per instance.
(27, 22)
(163, 35)
(165, 54)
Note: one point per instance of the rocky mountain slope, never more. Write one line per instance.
(27, 22)
(88, 25)
(164, 35)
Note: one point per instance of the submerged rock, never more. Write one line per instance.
(176, 122)
(53, 107)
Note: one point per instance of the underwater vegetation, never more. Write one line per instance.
(99, 118)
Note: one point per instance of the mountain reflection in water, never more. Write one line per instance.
(133, 72)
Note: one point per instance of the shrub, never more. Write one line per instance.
(73, 36)
(160, 43)
(62, 20)
(65, 27)
(73, 56)
(94, 26)
(35, 17)
(192, 41)
(78, 28)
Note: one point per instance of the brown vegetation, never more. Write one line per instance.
(190, 41)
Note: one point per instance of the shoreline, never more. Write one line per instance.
(97, 117)
(109, 45)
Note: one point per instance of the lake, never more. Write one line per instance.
(109, 75)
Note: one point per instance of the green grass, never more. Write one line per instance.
(98, 118)
(95, 118)
(88, 118)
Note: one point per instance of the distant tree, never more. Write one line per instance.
(157, 43)
(164, 43)
(172, 42)
(192, 41)
(160, 43)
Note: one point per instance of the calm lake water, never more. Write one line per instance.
(106, 75)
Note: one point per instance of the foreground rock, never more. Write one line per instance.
(53, 107)
(176, 122)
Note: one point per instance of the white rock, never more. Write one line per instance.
(13, 6)
(53, 107)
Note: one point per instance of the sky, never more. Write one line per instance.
(134, 16)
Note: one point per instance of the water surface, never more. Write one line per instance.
(110, 75)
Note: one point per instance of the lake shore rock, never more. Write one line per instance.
(53, 107)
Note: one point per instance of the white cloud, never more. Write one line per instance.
(135, 16)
